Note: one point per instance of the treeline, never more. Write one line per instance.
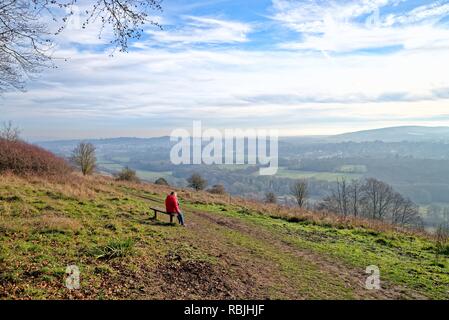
(424, 180)
(369, 198)
(373, 199)
(378, 149)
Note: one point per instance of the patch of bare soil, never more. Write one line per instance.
(196, 279)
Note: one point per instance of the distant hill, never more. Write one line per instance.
(390, 134)
(158, 141)
(396, 134)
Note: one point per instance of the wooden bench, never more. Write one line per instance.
(158, 210)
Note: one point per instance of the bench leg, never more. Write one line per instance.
(171, 218)
(155, 215)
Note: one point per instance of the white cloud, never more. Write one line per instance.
(204, 30)
(345, 26)
(436, 10)
(280, 89)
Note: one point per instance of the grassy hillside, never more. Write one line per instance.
(230, 249)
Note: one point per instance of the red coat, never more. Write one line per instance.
(171, 204)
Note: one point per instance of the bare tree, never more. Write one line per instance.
(341, 196)
(9, 132)
(377, 198)
(25, 41)
(442, 240)
(396, 206)
(84, 157)
(355, 194)
(299, 190)
(373, 199)
(270, 197)
(197, 182)
(328, 203)
(344, 198)
(404, 212)
(23, 46)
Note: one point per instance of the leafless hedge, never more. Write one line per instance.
(20, 157)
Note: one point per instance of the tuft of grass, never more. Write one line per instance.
(54, 224)
(114, 249)
(442, 250)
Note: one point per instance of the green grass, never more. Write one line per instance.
(309, 281)
(405, 260)
(114, 249)
(350, 168)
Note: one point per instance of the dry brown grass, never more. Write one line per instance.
(51, 223)
(72, 185)
(43, 224)
(81, 187)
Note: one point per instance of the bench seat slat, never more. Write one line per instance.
(156, 210)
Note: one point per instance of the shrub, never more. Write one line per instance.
(442, 240)
(197, 182)
(161, 181)
(9, 132)
(23, 158)
(270, 197)
(127, 174)
(217, 189)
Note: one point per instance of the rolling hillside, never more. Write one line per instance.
(396, 134)
(230, 249)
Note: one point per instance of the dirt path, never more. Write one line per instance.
(336, 274)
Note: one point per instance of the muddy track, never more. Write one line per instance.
(352, 277)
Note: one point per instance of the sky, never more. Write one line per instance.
(302, 67)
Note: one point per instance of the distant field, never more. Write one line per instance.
(282, 172)
(349, 168)
(142, 174)
(232, 167)
(326, 176)
(121, 159)
(151, 175)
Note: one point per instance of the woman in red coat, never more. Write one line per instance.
(172, 207)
